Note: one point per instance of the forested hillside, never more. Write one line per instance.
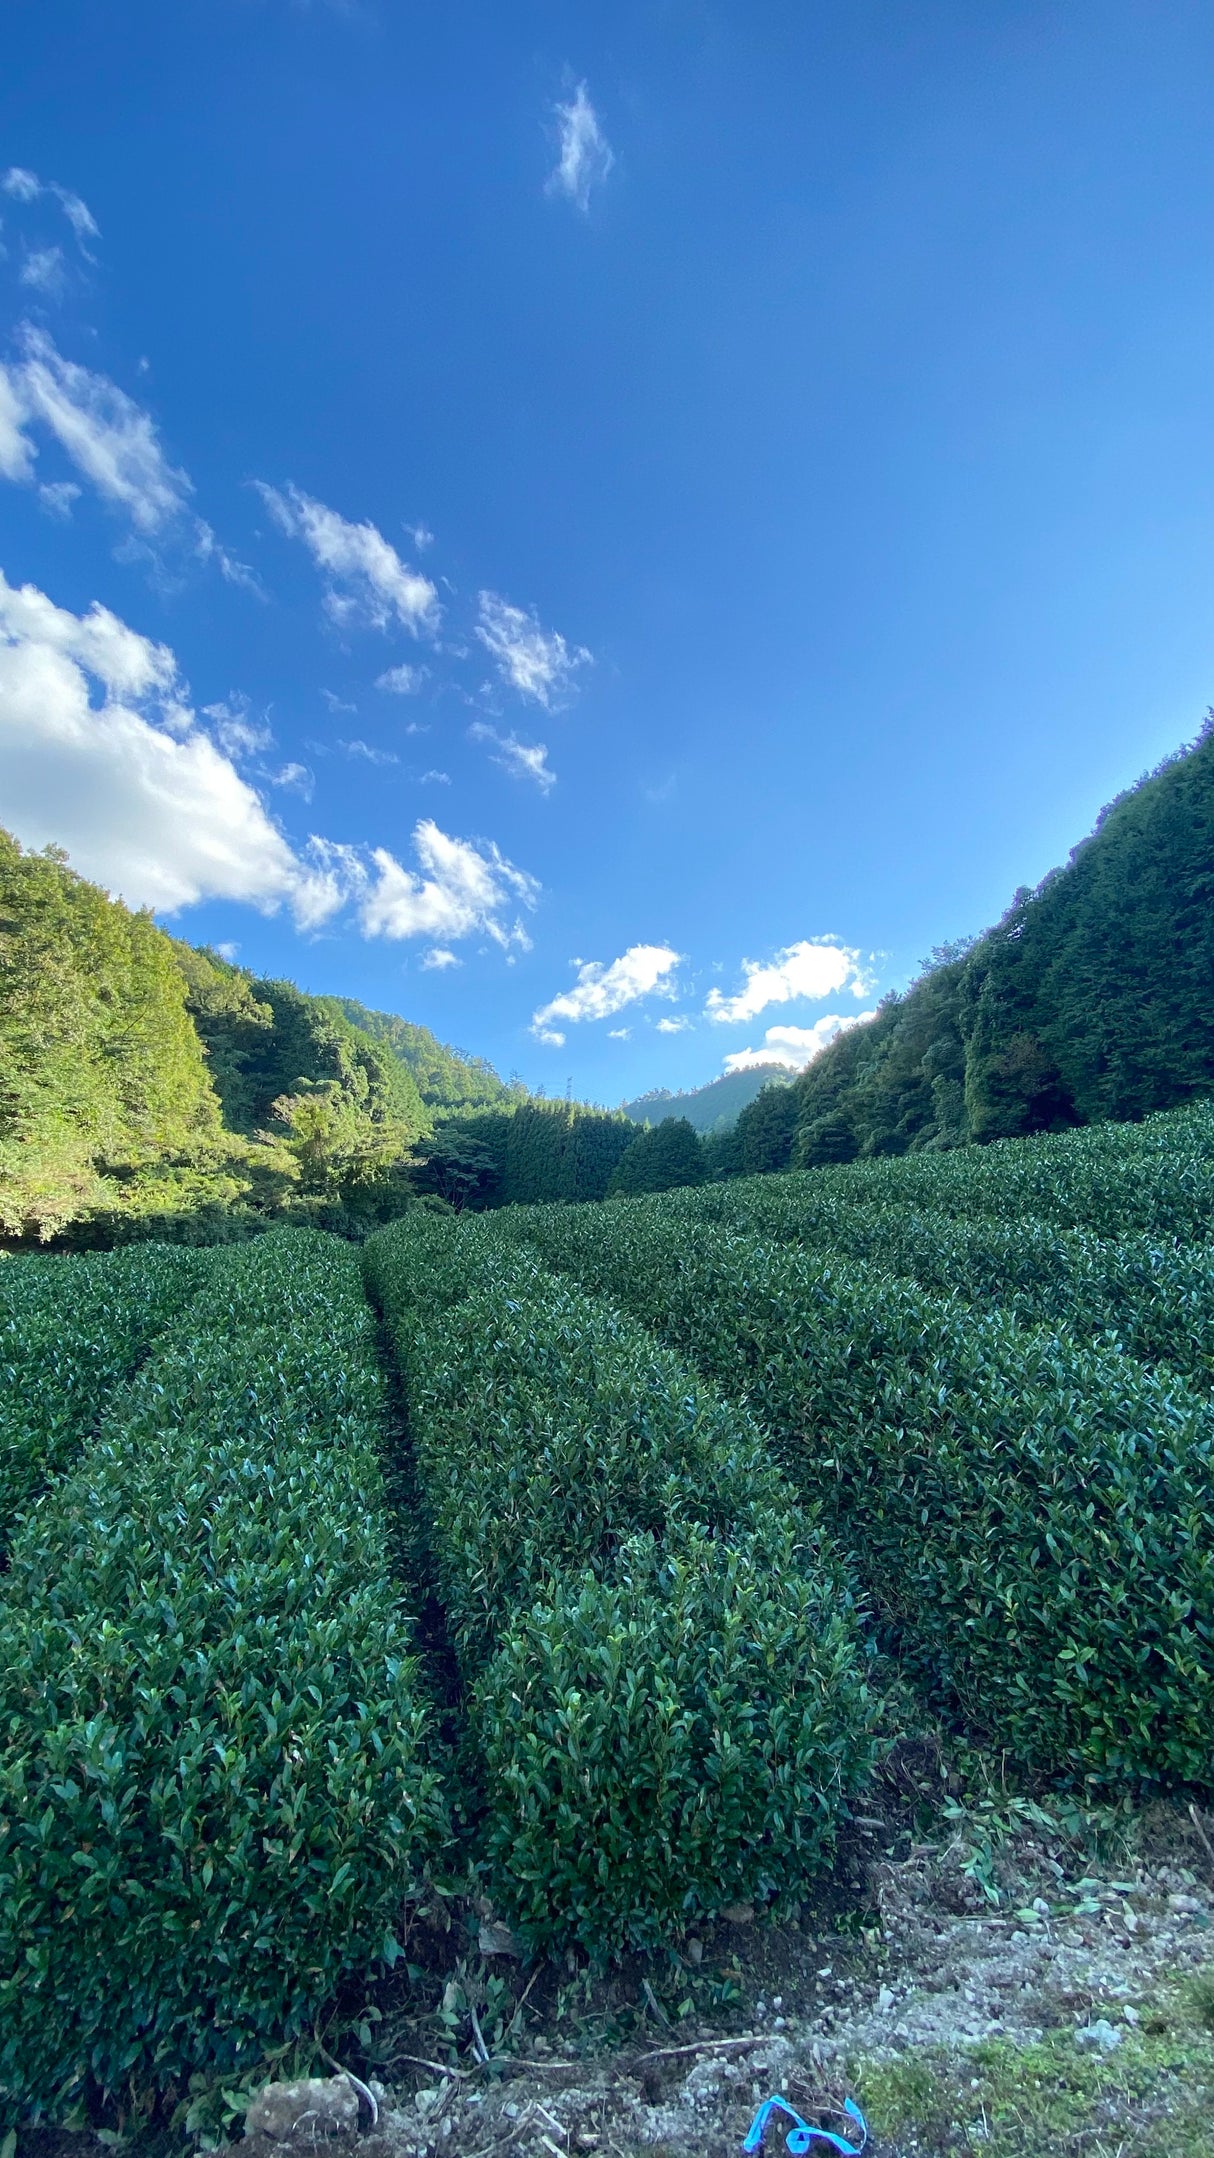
(146, 1086)
(1092, 999)
(714, 1107)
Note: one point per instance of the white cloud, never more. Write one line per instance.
(145, 802)
(795, 1047)
(439, 957)
(58, 497)
(77, 213)
(359, 748)
(297, 779)
(435, 779)
(16, 450)
(536, 662)
(402, 681)
(600, 991)
(42, 270)
(816, 967)
(109, 438)
(523, 760)
(551, 1037)
(23, 186)
(459, 888)
(237, 735)
(336, 703)
(619, 1034)
(228, 951)
(209, 549)
(367, 581)
(421, 536)
(586, 157)
(674, 1026)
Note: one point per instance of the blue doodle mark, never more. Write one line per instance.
(801, 2135)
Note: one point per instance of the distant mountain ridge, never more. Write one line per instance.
(714, 1107)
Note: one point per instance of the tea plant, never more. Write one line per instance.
(1034, 1520)
(217, 1788)
(70, 1330)
(665, 1672)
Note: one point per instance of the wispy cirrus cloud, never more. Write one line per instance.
(25, 186)
(814, 968)
(600, 990)
(110, 439)
(586, 156)
(402, 681)
(523, 760)
(534, 661)
(366, 582)
(796, 1047)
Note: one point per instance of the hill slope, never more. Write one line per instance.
(713, 1107)
(1092, 999)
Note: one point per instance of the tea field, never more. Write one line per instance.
(694, 1481)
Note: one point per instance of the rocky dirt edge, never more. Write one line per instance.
(1073, 1948)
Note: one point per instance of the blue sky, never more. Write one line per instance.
(609, 530)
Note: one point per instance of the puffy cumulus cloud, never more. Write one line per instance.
(523, 760)
(795, 1047)
(536, 662)
(460, 889)
(816, 967)
(674, 1026)
(600, 991)
(439, 958)
(145, 801)
(586, 156)
(366, 581)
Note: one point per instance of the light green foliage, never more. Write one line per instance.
(665, 1673)
(216, 1790)
(1033, 1518)
(101, 1072)
(70, 1330)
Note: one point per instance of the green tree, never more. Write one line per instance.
(660, 1159)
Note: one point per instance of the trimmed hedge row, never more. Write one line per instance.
(665, 1674)
(71, 1330)
(1155, 1178)
(1154, 1297)
(1035, 1521)
(216, 1789)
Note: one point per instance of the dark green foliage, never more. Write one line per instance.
(215, 1790)
(1147, 1294)
(70, 1330)
(527, 1153)
(1093, 999)
(101, 1074)
(1034, 1519)
(660, 1160)
(713, 1108)
(664, 1673)
(764, 1131)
